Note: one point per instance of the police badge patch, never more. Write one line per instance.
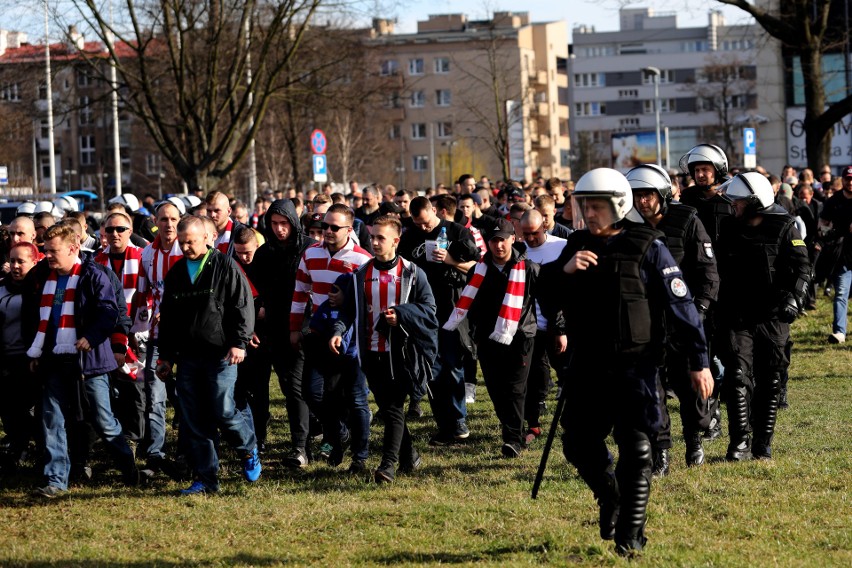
(679, 288)
(708, 250)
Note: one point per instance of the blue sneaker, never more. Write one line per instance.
(197, 488)
(251, 466)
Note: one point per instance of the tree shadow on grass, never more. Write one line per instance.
(495, 554)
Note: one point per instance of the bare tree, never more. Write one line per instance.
(802, 27)
(183, 65)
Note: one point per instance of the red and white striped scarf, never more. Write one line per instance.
(510, 310)
(66, 332)
(477, 238)
(254, 220)
(383, 290)
(160, 266)
(129, 274)
(223, 240)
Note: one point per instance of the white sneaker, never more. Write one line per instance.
(469, 393)
(837, 338)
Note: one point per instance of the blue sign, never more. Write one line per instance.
(749, 142)
(318, 142)
(320, 168)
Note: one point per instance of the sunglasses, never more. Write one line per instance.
(334, 228)
(118, 230)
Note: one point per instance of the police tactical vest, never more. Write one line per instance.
(711, 211)
(675, 224)
(612, 308)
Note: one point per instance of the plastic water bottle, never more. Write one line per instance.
(442, 240)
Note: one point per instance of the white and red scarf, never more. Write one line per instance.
(129, 274)
(223, 240)
(66, 332)
(510, 309)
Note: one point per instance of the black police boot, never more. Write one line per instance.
(783, 403)
(765, 418)
(605, 489)
(694, 449)
(715, 429)
(634, 482)
(739, 448)
(660, 462)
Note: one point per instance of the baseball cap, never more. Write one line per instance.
(847, 172)
(315, 222)
(503, 229)
(517, 194)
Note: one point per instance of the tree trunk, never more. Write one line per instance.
(817, 135)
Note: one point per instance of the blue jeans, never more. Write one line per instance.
(842, 281)
(205, 387)
(155, 405)
(61, 379)
(447, 388)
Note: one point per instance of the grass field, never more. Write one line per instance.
(468, 506)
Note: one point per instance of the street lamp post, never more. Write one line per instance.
(655, 72)
(450, 145)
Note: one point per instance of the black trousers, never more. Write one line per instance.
(20, 404)
(288, 365)
(505, 369)
(390, 394)
(695, 414)
(252, 389)
(128, 404)
(539, 381)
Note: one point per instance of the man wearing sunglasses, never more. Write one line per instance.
(319, 267)
(124, 260)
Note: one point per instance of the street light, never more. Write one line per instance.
(655, 71)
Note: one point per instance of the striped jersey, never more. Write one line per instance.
(317, 271)
(382, 290)
(223, 241)
(155, 266)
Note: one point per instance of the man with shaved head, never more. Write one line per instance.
(549, 347)
(219, 211)
(22, 230)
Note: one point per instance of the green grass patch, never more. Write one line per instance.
(469, 506)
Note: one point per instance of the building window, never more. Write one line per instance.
(628, 93)
(415, 66)
(389, 67)
(44, 167)
(442, 65)
(10, 93)
(87, 150)
(445, 129)
(443, 97)
(153, 164)
(84, 77)
(589, 80)
(693, 46)
(44, 129)
(395, 132)
(85, 113)
(393, 100)
(418, 131)
(666, 105)
(628, 123)
(589, 109)
(418, 99)
(42, 91)
(420, 163)
(563, 127)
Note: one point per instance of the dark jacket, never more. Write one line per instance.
(486, 306)
(96, 312)
(206, 318)
(275, 264)
(414, 342)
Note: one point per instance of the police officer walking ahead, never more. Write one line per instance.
(620, 279)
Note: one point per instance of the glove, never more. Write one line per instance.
(788, 311)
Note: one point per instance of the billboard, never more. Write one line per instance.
(841, 141)
(630, 149)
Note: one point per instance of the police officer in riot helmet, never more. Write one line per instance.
(690, 246)
(765, 272)
(707, 165)
(614, 281)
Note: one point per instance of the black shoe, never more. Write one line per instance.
(357, 467)
(442, 439)
(694, 449)
(297, 458)
(740, 451)
(631, 547)
(761, 450)
(511, 450)
(80, 474)
(335, 457)
(166, 466)
(661, 463)
(608, 518)
(410, 464)
(385, 473)
(414, 410)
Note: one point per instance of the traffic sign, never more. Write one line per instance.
(318, 142)
(320, 168)
(749, 148)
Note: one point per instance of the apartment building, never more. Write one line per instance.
(714, 80)
(473, 95)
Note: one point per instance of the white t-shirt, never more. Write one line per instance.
(548, 251)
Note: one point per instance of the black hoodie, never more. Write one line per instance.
(275, 264)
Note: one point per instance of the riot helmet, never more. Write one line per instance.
(609, 184)
(751, 186)
(651, 177)
(705, 154)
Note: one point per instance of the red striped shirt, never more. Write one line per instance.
(383, 289)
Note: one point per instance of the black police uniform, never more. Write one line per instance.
(765, 275)
(692, 250)
(616, 329)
